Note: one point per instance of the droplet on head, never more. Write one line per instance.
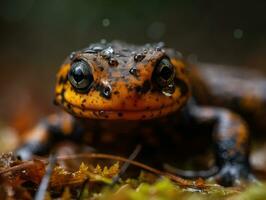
(160, 45)
(158, 49)
(139, 57)
(97, 48)
(134, 71)
(72, 55)
(89, 50)
(113, 62)
(107, 53)
(168, 91)
(106, 92)
(103, 41)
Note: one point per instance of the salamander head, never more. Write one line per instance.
(122, 81)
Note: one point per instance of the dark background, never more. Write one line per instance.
(36, 36)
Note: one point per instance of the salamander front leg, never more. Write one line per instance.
(40, 139)
(231, 143)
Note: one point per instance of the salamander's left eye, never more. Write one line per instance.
(80, 76)
(164, 73)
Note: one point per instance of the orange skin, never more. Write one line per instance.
(125, 102)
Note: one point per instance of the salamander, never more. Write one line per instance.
(116, 95)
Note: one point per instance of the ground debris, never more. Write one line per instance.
(93, 178)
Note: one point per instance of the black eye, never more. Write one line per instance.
(80, 76)
(164, 73)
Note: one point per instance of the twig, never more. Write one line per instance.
(82, 189)
(126, 164)
(40, 194)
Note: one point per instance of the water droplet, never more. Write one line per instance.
(134, 71)
(168, 91)
(103, 41)
(106, 22)
(159, 46)
(106, 92)
(238, 33)
(139, 57)
(107, 53)
(101, 112)
(113, 62)
(89, 50)
(72, 55)
(97, 48)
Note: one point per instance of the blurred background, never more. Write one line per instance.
(36, 36)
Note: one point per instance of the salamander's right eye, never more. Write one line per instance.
(80, 76)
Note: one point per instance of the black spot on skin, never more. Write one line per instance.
(69, 106)
(62, 80)
(130, 89)
(120, 114)
(84, 100)
(101, 68)
(138, 89)
(95, 113)
(63, 95)
(144, 88)
(116, 92)
(55, 102)
(182, 85)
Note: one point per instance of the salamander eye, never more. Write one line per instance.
(164, 73)
(80, 76)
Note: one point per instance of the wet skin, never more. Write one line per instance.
(119, 95)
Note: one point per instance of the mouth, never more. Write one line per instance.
(125, 114)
